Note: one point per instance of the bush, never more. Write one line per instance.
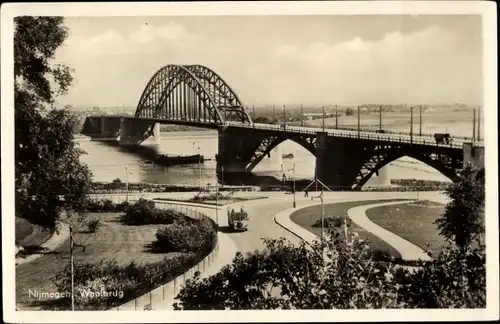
(184, 236)
(105, 206)
(144, 212)
(134, 280)
(93, 225)
(334, 221)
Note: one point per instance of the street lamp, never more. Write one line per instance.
(199, 164)
(71, 245)
(126, 182)
(293, 169)
(217, 203)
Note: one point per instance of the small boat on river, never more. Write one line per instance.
(287, 156)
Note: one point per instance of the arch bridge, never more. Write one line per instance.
(194, 95)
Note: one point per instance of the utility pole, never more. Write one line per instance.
(479, 124)
(284, 117)
(380, 118)
(72, 244)
(358, 124)
(253, 111)
(473, 126)
(323, 118)
(411, 124)
(274, 117)
(336, 117)
(301, 115)
(420, 131)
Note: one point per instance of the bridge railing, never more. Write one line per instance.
(406, 138)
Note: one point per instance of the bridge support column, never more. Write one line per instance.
(474, 155)
(157, 133)
(104, 126)
(232, 158)
(133, 132)
(338, 161)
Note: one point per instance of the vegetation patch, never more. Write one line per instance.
(29, 236)
(310, 219)
(414, 222)
(333, 222)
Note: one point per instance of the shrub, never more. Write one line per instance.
(133, 280)
(334, 221)
(93, 225)
(144, 212)
(186, 236)
(456, 279)
(105, 206)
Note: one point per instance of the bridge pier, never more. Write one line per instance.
(338, 160)
(474, 155)
(236, 148)
(134, 132)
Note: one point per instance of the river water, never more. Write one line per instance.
(108, 163)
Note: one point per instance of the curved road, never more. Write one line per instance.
(261, 212)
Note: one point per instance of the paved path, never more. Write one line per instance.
(269, 218)
(51, 244)
(408, 250)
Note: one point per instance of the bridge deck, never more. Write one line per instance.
(388, 136)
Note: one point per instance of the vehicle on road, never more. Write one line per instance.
(443, 138)
(237, 220)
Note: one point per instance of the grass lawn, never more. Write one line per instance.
(113, 240)
(28, 234)
(308, 216)
(413, 222)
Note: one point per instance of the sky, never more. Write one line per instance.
(321, 60)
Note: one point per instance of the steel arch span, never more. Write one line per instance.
(190, 93)
(447, 165)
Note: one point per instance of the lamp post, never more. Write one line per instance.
(72, 244)
(217, 203)
(323, 123)
(126, 183)
(293, 169)
(199, 165)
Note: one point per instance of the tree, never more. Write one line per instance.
(263, 120)
(284, 276)
(349, 112)
(463, 220)
(49, 175)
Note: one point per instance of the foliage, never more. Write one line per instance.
(263, 120)
(349, 112)
(333, 221)
(105, 206)
(93, 225)
(144, 212)
(285, 276)
(49, 174)
(212, 197)
(133, 279)
(456, 279)
(184, 236)
(422, 185)
(463, 220)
